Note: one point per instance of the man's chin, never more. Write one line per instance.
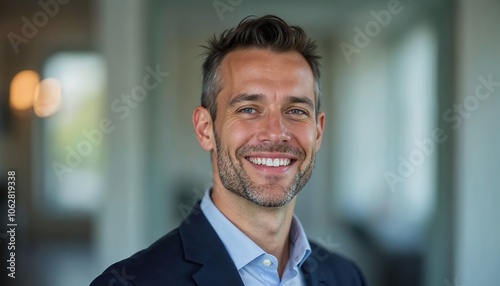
(270, 198)
(271, 203)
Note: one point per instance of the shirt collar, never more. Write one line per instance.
(241, 248)
(300, 248)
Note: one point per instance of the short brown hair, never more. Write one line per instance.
(267, 32)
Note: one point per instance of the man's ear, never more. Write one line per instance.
(202, 123)
(320, 127)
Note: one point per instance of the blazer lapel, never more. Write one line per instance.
(202, 245)
(217, 271)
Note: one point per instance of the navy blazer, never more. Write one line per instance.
(193, 254)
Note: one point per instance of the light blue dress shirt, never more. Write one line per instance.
(255, 266)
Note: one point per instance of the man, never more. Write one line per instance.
(261, 122)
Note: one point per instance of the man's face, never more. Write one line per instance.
(266, 131)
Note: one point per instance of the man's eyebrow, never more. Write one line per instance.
(245, 97)
(301, 99)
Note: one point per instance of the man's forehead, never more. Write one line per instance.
(266, 73)
(254, 65)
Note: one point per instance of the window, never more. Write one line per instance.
(386, 116)
(71, 147)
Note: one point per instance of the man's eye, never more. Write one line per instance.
(296, 111)
(247, 110)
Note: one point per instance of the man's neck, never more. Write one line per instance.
(269, 228)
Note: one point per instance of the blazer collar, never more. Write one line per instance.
(202, 245)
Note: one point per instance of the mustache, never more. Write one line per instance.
(280, 148)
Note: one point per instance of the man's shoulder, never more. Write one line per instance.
(333, 267)
(163, 261)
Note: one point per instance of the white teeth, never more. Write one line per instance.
(270, 162)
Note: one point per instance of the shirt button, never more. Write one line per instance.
(267, 262)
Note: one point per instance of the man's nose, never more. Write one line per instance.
(274, 129)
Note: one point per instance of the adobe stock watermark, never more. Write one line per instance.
(223, 6)
(120, 279)
(94, 137)
(320, 254)
(372, 29)
(39, 19)
(455, 115)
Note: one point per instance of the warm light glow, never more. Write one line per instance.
(47, 97)
(22, 89)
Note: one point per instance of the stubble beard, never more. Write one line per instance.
(235, 179)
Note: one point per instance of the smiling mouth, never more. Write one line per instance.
(270, 162)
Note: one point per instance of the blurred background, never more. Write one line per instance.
(95, 119)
